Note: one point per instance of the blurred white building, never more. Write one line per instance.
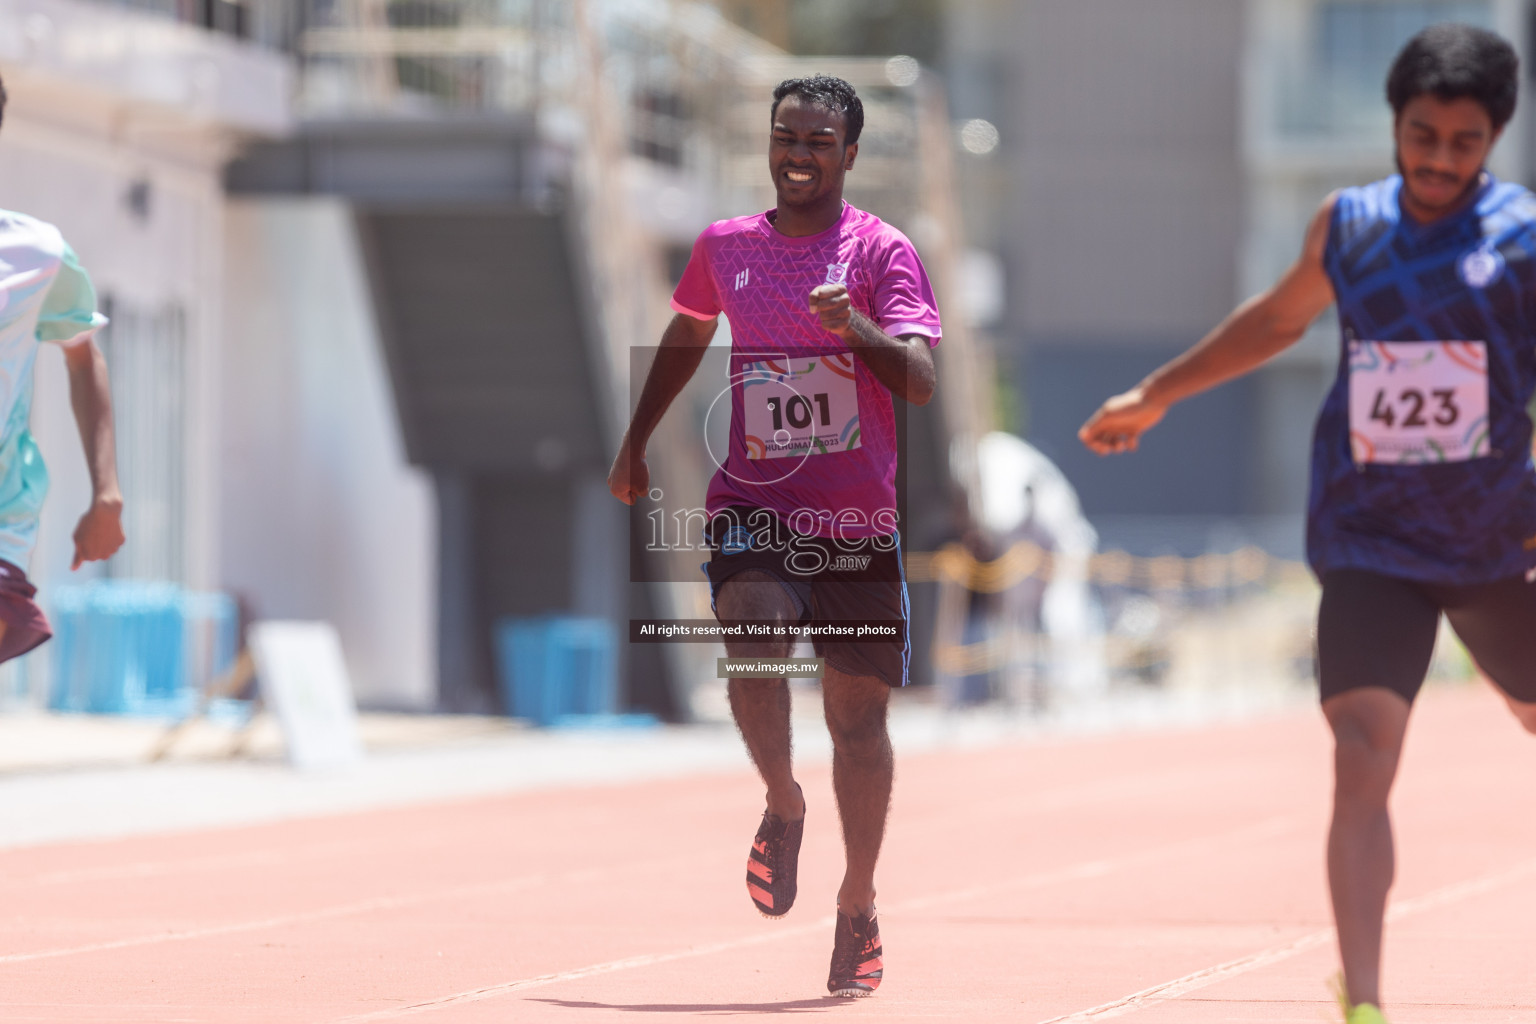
(118, 127)
(1154, 164)
(311, 417)
(446, 276)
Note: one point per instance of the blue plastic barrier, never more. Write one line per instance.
(559, 670)
(132, 647)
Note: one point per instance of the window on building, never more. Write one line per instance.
(1357, 39)
(1339, 91)
(147, 362)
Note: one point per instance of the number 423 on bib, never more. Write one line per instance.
(1414, 402)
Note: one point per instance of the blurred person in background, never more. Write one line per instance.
(46, 296)
(831, 314)
(1423, 494)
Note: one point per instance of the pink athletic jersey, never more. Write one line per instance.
(813, 433)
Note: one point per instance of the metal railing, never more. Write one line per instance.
(265, 22)
(1214, 624)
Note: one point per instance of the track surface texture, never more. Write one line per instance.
(1167, 877)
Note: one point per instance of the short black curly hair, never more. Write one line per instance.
(827, 92)
(1454, 61)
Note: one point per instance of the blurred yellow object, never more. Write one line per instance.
(1025, 560)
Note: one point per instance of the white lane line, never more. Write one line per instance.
(378, 903)
(1265, 829)
(1109, 789)
(1088, 869)
(1083, 870)
(235, 927)
(270, 855)
(1275, 954)
(1199, 979)
(158, 868)
(646, 960)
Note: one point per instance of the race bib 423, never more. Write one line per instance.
(803, 406)
(1413, 402)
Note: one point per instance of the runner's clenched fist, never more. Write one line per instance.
(830, 302)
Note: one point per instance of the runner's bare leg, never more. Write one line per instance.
(1368, 728)
(761, 706)
(863, 768)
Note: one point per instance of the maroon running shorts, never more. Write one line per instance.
(25, 624)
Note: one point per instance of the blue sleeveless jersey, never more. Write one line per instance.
(1470, 277)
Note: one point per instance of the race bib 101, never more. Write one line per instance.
(803, 406)
(1413, 402)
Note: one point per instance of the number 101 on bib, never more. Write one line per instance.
(800, 407)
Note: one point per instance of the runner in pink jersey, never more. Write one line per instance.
(760, 279)
(831, 314)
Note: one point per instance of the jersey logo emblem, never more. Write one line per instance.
(1481, 267)
(741, 279)
(837, 273)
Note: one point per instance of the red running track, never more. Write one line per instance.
(1173, 877)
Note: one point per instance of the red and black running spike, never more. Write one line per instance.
(772, 865)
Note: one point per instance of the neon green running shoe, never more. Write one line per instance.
(1360, 1013)
(1364, 1013)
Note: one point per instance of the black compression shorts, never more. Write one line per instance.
(835, 585)
(1376, 630)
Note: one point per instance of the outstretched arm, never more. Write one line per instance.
(904, 364)
(100, 531)
(682, 349)
(1260, 328)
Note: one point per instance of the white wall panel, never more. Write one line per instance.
(320, 515)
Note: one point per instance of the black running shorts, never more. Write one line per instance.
(835, 584)
(1376, 630)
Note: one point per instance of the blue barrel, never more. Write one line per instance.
(556, 666)
(137, 647)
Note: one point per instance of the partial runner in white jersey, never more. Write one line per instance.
(46, 296)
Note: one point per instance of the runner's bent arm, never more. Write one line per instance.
(1256, 330)
(903, 364)
(100, 531)
(681, 350)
